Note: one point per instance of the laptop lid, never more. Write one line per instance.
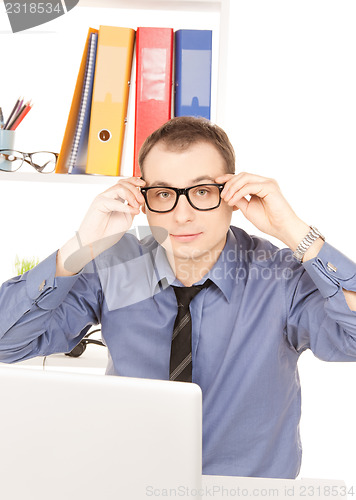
(97, 437)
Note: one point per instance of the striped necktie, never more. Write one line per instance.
(180, 368)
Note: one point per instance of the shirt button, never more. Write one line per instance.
(42, 285)
(331, 267)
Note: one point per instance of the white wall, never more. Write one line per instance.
(291, 85)
(291, 108)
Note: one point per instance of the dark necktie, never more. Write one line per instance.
(180, 368)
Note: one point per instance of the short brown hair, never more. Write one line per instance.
(179, 133)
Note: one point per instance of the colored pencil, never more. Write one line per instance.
(21, 116)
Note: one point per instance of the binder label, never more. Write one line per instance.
(110, 74)
(153, 79)
(197, 65)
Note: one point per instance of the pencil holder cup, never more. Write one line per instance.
(7, 141)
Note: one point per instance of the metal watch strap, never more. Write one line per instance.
(306, 242)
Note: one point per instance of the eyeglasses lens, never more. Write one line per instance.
(44, 161)
(10, 160)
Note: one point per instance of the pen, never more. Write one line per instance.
(14, 109)
(1, 119)
(19, 105)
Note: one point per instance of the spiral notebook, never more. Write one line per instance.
(79, 152)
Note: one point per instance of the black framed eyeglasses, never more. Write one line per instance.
(162, 199)
(43, 162)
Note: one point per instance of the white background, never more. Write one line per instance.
(290, 114)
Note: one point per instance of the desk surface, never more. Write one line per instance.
(92, 361)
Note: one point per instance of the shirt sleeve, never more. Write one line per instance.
(318, 316)
(42, 314)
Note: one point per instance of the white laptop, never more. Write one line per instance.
(86, 437)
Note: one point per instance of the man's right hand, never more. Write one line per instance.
(108, 218)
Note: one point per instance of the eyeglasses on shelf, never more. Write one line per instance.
(43, 162)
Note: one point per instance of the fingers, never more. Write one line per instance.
(114, 205)
(244, 184)
(127, 192)
(224, 178)
(232, 196)
(242, 204)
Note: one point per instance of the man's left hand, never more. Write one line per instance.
(270, 212)
(267, 209)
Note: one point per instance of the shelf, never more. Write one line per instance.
(64, 178)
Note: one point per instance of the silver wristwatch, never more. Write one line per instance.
(306, 242)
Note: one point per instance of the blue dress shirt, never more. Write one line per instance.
(249, 328)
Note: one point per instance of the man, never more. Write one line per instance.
(257, 309)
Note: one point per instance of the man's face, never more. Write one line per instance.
(193, 234)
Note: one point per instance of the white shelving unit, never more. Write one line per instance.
(167, 10)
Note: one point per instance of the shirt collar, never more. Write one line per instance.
(162, 274)
(223, 273)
